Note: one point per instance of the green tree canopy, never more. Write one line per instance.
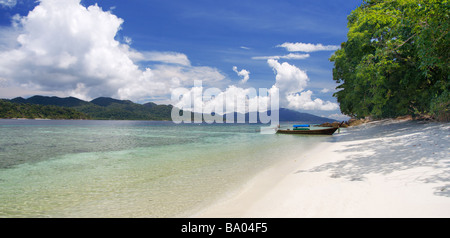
(19, 110)
(395, 60)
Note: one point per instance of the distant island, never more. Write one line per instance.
(105, 108)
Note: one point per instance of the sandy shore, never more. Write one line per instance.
(381, 169)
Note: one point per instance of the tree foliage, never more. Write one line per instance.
(395, 60)
(32, 111)
(72, 108)
(126, 110)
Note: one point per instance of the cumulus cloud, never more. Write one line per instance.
(277, 57)
(289, 78)
(245, 74)
(162, 79)
(233, 99)
(304, 101)
(291, 82)
(61, 43)
(62, 46)
(307, 47)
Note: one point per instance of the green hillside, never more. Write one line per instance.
(32, 111)
(104, 108)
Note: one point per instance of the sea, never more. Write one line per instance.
(155, 169)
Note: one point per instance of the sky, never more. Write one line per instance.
(141, 50)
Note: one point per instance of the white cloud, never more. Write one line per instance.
(66, 48)
(165, 57)
(277, 57)
(128, 40)
(291, 81)
(245, 74)
(289, 78)
(162, 79)
(325, 90)
(8, 3)
(304, 101)
(307, 47)
(62, 44)
(200, 99)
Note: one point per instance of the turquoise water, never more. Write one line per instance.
(53, 168)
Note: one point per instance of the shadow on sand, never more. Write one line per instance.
(389, 146)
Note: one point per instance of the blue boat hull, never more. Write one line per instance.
(326, 131)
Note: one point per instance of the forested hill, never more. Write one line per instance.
(32, 111)
(104, 108)
(396, 60)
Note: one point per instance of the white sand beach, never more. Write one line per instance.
(379, 169)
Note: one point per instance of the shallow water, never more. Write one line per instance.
(130, 168)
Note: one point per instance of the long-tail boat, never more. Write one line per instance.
(306, 130)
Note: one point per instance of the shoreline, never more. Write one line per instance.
(391, 168)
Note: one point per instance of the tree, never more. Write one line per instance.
(395, 60)
(18, 110)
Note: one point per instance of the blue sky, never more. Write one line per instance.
(171, 42)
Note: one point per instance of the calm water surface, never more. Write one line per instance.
(59, 168)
